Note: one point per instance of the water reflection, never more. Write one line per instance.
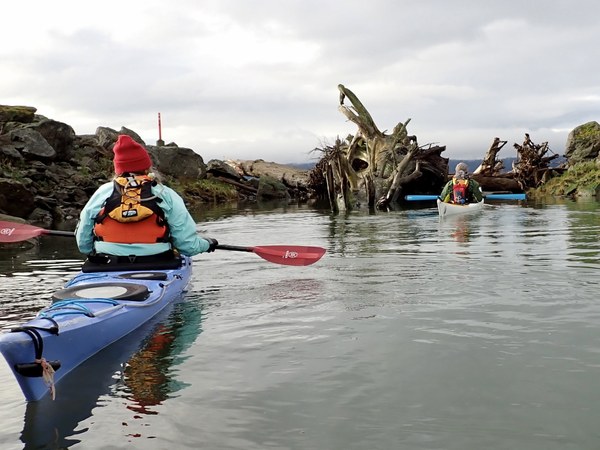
(225, 211)
(584, 228)
(145, 380)
(458, 227)
(148, 378)
(374, 346)
(30, 279)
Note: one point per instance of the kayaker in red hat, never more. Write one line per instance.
(461, 189)
(134, 217)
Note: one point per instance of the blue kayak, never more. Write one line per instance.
(94, 310)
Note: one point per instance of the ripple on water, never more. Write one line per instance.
(410, 331)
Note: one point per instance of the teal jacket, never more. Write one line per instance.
(474, 190)
(182, 227)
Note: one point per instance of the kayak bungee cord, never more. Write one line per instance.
(86, 277)
(76, 307)
(40, 366)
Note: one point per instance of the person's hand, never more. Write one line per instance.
(212, 244)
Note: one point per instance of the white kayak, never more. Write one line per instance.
(451, 209)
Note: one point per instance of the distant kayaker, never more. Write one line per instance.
(461, 189)
(134, 217)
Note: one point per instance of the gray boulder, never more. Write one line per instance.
(31, 144)
(178, 162)
(15, 198)
(583, 143)
(58, 135)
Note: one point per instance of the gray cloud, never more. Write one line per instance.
(237, 79)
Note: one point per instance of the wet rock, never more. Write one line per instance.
(15, 198)
(270, 188)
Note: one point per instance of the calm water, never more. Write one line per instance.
(474, 333)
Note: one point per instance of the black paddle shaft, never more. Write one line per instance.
(235, 248)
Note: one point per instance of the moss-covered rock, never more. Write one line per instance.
(21, 114)
(583, 143)
(580, 180)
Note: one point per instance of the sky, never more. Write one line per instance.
(257, 79)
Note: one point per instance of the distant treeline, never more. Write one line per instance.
(302, 166)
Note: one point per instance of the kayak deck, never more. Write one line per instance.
(451, 209)
(93, 311)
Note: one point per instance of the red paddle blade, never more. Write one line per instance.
(290, 255)
(17, 232)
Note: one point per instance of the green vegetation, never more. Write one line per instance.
(203, 191)
(588, 131)
(10, 169)
(582, 179)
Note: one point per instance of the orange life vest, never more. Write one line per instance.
(460, 191)
(131, 215)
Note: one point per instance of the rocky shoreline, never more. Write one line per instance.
(48, 172)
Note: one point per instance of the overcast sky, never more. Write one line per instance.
(250, 79)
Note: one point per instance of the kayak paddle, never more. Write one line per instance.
(17, 232)
(289, 255)
(417, 198)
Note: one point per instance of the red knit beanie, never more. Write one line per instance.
(130, 156)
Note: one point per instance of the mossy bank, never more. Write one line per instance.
(581, 180)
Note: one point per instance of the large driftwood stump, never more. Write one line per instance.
(491, 166)
(532, 166)
(376, 166)
(382, 168)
